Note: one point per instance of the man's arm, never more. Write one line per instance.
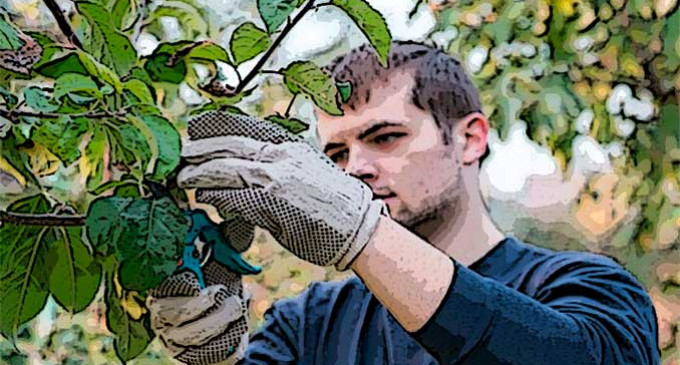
(595, 314)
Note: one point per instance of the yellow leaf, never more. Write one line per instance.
(8, 168)
(131, 303)
(543, 10)
(608, 58)
(42, 161)
(582, 89)
(631, 67)
(662, 7)
(566, 7)
(601, 90)
(561, 160)
(587, 18)
(117, 286)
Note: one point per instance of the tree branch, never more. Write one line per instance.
(10, 114)
(274, 45)
(63, 23)
(42, 219)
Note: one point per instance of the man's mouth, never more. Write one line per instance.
(384, 196)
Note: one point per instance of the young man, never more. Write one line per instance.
(437, 282)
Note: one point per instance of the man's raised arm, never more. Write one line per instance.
(590, 312)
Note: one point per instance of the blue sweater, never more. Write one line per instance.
(520, 304)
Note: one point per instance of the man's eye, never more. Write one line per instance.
(339, 156)
(387, 137)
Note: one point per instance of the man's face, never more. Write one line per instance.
(397, 149)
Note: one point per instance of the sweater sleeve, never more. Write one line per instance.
(586, 309)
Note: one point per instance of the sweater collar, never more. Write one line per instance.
(500, 258)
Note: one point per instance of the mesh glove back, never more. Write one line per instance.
(218, 124)
(186, 284)
(286, 186)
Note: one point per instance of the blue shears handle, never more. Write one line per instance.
(204, 229)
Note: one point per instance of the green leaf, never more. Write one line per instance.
(132, 336)
(345, 90)
(159, 229)
(8, 98)
(216, 106)
(248, 41)
(9, 37)
(103, 224)
(5, 127)
(293, 125)
(146, 235)
(371, 23)
(49, 47)
(164, 141)
(139, 90)
(127, 191)
(38, 100)
(141, 75)
(159, 69)
(171, 48)
(76, 84)
(104, 41)
(204, 51)
(208, 51)
(112, 185)
(62, 136)
(93, 157)
(81, 63)
(275, 12)
(671, 47)
(9, 152)
(65, 64)
(168, 140)
(75, 276)
(23, 255)
(99, 71)
(669, 126)
(130, 147)
(119, 10)
(193, 23)
(309, 79)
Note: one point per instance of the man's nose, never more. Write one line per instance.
(361, 166)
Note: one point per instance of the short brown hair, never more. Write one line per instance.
(441, 86)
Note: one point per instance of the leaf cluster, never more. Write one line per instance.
(92, 111)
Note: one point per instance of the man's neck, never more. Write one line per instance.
(465, 231)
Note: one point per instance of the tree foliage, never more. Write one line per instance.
(83, 107)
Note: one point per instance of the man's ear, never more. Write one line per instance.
(475, 129)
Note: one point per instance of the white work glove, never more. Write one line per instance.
(201, 327)
(276, 181)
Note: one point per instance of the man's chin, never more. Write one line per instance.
(413, 220)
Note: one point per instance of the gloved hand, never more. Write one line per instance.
(201, 327)
(275, 180)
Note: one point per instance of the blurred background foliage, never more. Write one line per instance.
(585, 93)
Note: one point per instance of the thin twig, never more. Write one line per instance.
(63, 23)
(42, 219)
(138, 24)
(290, 106)
(317, 7)
(274, 45)
(271, 72)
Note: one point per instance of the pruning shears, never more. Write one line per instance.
(214, 243)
